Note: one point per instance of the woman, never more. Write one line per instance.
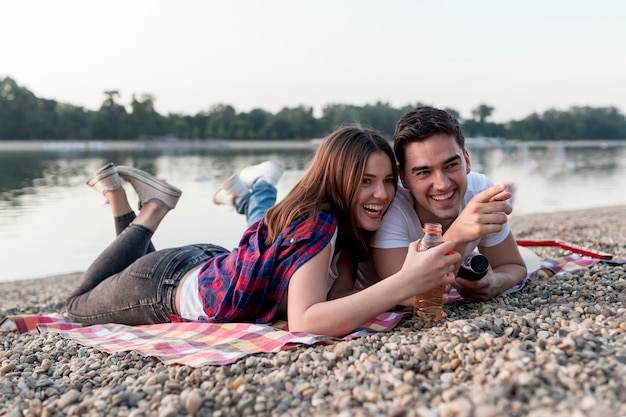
(299, 260)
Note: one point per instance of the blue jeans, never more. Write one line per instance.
(131, 283)
(257, 201)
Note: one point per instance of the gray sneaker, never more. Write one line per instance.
(149, 188)
(105, 179)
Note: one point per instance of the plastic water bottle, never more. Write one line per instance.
(429, 305)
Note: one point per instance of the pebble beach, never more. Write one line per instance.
(555, 348)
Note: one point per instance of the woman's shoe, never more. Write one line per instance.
(149, 188)
(105, 179)
(231, 192)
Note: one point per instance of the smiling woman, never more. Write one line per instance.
(376, 192)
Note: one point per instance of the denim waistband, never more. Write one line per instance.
(180, 261)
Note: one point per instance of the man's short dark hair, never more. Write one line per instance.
(422, 123)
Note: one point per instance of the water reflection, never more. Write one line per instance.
(557, 176)
(51, 222)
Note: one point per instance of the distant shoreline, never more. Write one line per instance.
(121, 145)
(217, 144)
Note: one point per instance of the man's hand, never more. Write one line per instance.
(506, 270)
(484, 214)
(482, 290)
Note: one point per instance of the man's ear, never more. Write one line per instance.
(401, 176)
(468, 163)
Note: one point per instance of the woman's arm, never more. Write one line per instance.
(308, 309)
(346, 277)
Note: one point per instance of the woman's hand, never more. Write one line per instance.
(424, 271)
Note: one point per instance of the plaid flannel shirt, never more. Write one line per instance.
(249, 283)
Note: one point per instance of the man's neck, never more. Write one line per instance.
(429, 218)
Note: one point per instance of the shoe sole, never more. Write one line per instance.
(104, 172)
(139, 175)
(264, 168)
(105, 179)
(226, 188)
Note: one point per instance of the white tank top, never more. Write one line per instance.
(191, 305)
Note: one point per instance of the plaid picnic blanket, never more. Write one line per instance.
(549, 268)
(188, 343)
(197, 344)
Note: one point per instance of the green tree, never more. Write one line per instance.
(575, 123)
(454, 113)
(74, 122)
(479, 126)
(482, 113)
(26, 116)
(294, 123)
(16, 121)
(110, 120)
(221, 122)
(252, 125)
(143, 119)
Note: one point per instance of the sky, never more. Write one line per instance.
(518, 57)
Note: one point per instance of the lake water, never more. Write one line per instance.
(52, 223)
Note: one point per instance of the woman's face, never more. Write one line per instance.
(375, 192)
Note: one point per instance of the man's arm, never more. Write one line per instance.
(485, 214)
(388, 261)
(507, 269)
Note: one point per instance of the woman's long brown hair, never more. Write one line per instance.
(332, 184)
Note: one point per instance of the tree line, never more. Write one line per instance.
(24, 116)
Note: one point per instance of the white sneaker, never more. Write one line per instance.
(232, 190)
(268, 171)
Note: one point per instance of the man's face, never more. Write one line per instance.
(436, 174)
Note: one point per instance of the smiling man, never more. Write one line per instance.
(437, 185)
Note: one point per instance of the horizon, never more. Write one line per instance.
(237, 111)
(520, 59)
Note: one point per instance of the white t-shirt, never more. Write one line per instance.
(401, 226)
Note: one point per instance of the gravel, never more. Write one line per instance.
(556, 348)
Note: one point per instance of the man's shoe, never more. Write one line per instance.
(149, 188)
(268, 171)
(232, 190)
(105, 179)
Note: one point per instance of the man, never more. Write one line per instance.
(438, 186)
